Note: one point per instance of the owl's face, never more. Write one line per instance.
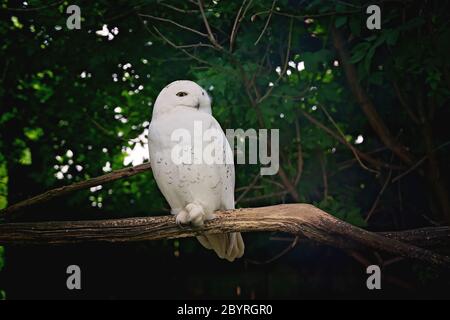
(182, 93)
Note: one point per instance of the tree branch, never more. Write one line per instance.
(237, 22)
(299, 153)
(174, 23)
(8, 212)
(298, 219)
(366, 103)
(208, 28)
(285, 66)
(361, 155)
(267, 22)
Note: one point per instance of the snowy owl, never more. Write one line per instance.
(193, 186)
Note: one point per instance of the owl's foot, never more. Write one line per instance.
(196, 215)
(182, 217)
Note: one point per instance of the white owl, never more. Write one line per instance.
(193, 190)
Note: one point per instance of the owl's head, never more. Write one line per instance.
(182, 93)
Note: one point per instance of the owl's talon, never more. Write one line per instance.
(196, 214)
(182, 218)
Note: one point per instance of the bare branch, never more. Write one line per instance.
(348, 144)
(286, 63)
(305, 16)
(339, 138)
(178, 47)
(267, 22)
(178, 9)
(248, 188)
(8, 212)
(378, 198)
(324, 176)
(208, 28)
(237, 22)
(365, 102)
(418, 163)
(299, 153)
(174, 23)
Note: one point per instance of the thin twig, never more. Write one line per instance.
(299, 153)
(267, 22)
(236, 26)
(285, 66)
(293, 16)
(324, 176)
(241, 189)
(418, 163)
(110, 133)
(339, 138)
(276, 183)
(349, 145)
(248, 188)
(178, 9)
(177, 47)
(378, 198)
(174, 23)
(208, 28)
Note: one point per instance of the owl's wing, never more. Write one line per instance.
(227, 174)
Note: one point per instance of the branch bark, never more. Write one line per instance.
(8, 212)
(297, 219)
(363, 99)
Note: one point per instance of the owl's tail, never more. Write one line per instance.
(227, 246)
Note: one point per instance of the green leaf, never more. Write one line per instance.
(25, 157)
(359, 51)
(369, 56)
(34, 133)
(340, 21)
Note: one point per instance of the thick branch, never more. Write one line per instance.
(365, 102)
(58, 192)
(298, 219)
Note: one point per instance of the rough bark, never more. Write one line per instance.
(298, 219)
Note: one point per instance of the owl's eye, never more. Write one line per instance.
(182, 94)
